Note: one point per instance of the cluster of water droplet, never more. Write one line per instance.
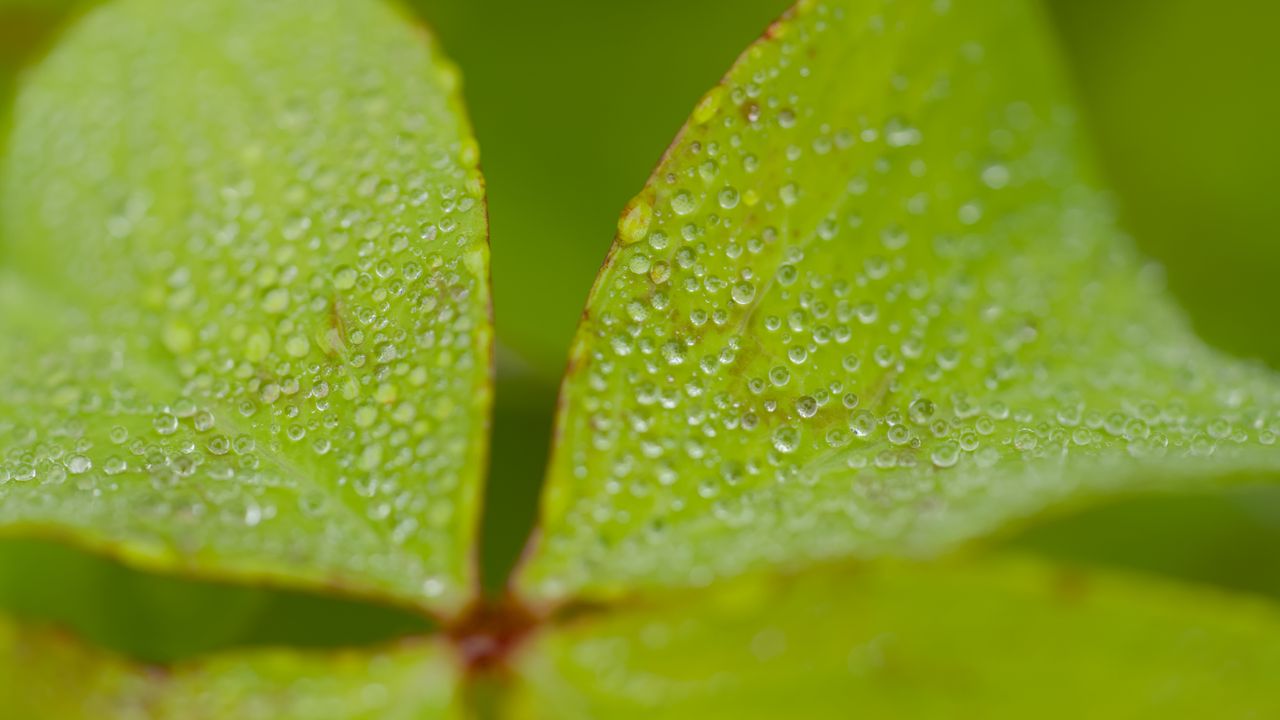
(868, 296)
(255, 266)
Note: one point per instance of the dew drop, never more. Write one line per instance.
(79, 464)
(165, 423)
(683, 203)
(789, 194)
(786, 439)
(344, 277)
(945, 455)
(297, 346)
(995, 176)
(1025, 440)
(806, 406)
(921, 410)
(862, 423)
(728, 198)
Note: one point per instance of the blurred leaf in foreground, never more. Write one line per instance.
(1003, 639)
(47, 676)
(1176, 96)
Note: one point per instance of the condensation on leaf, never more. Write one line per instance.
(244, 298)
(896, 314)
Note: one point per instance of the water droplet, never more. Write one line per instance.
(789, 193)
(779, 376)
(945, 455)
(1025, 440)
(344, 277)
(165, 424)
(921, 410)
(806, 406)
(297, 346)
(683, 203)
(728, 198)
(673, 353)
(79, 464)
(862, 423)
(786, 439)
(275, 301)
(995, 176)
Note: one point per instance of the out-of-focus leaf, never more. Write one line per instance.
(244, 298)
(872, 302)
(24, 28)
(1000, 640)
(521, 428)
(160, 618)
(51, 677)
(1175, 92)
(149, 617)
(1228, 538)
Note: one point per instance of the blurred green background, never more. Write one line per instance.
(575, 100)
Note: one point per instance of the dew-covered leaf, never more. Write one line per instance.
(52, 677)
(590, 134)
(1009, 639)
(244, 298)
(872, 301)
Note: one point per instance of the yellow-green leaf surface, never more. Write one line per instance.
(872, 301)
(1008, 639)
(46, 676)
(243, 295)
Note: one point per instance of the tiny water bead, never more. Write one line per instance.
(165, 423)
(683, 203)
(863, 422)
(277, 360)
(786, 439)
(806, 406)
(79, 464)
(887, 319)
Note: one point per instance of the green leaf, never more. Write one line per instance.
(25, 27)
(244, 298)
(1190, 171)
(1225, 537)
(600, 125)
(48, 676)
(162, 618)
(873, 302)
(555, 179)
(1000, 640)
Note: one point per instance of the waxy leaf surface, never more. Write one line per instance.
(1004, 639)
(872, 301)
(244, 301)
